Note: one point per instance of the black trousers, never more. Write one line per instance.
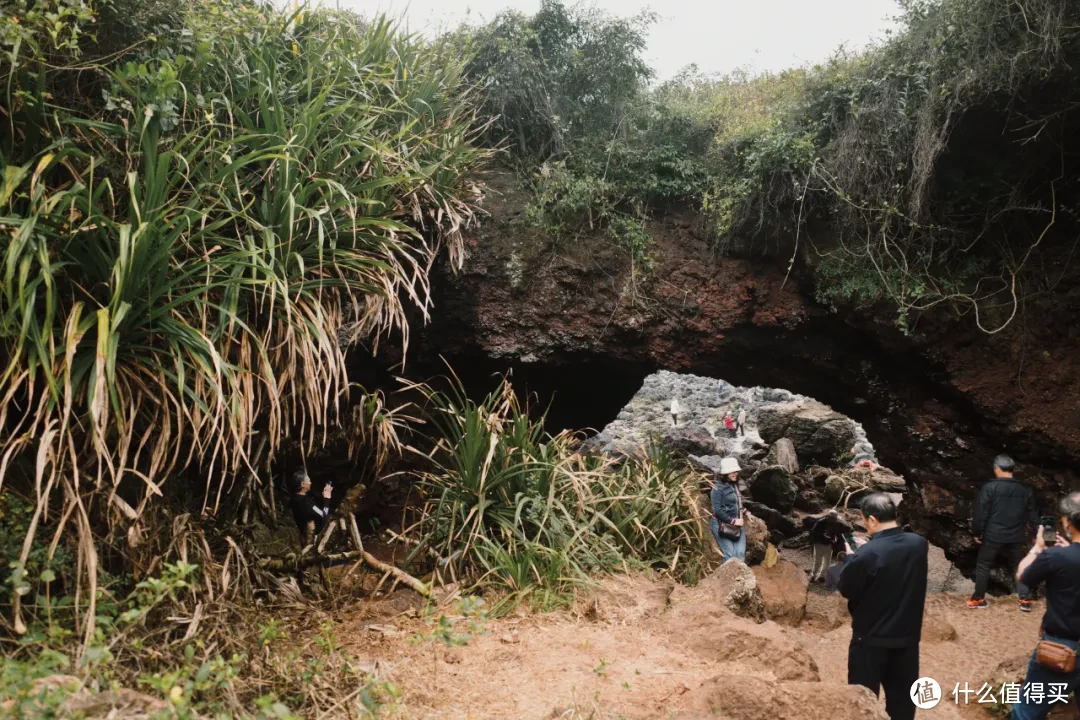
(989, 553)
(891, 669)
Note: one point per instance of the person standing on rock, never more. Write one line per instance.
(1003, 510)
(675, 411)
(728, 521)
(740, 423)
(1059, 568)
(884, 582)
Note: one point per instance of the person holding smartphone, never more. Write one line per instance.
(1058, 565)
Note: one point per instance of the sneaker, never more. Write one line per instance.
(1025, 606)
(977, 604)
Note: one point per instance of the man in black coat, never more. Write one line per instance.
(884, 582)
(1003, 511)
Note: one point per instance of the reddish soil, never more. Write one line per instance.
(639, 647)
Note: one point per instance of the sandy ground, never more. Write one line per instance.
(618, 656)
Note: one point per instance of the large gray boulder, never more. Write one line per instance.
(773, 486)
(783, 453)
(691, 439)
(781, 526)
(821, 434)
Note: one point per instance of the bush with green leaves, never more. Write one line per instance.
(596, 147)
(513, 507)
(196, 228)
(930, 169)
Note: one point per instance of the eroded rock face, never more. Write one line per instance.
(774, 487)
(783, 453)
(783, 589)
(757, 540)
(819, 433)
(938, 403)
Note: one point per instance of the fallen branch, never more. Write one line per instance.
(293, 563)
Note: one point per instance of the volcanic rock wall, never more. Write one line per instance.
(937, 405)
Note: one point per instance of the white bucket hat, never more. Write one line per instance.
(729, 465)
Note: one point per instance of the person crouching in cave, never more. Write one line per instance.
(827, 535)
(728, 521)
(1003, 510)
(308, 512)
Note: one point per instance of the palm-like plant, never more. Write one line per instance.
(512, 506)
(184, 269)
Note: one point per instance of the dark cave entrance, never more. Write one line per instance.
(578, 394)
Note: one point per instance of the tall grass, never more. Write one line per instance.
(515, 507)
(186, 259)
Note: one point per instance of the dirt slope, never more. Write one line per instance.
(623, 653)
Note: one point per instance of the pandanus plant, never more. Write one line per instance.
(185, 265)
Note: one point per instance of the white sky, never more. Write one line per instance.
(718, 35)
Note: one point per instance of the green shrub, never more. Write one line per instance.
(194, 230)
(515, 508)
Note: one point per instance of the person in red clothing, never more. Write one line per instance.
(729, 423)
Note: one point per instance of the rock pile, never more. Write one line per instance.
(798, 455)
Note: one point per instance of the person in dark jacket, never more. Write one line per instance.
(1059, 568)
(1003, 511)
(827, 535)
(884, 582)
(727, 508)
(308, 512)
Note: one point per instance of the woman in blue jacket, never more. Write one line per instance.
(727, 508)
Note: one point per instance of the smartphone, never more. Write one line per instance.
(1049, 526)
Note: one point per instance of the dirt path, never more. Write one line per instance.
(641, 648)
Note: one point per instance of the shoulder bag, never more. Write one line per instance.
(729, 531)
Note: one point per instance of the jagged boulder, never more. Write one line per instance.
(757, 540)
(821, 434)
(783, 453)
(809, 499)
(691, 439)
(780, 525)
(834, 489)
(783, 589)
(744, 698)
(734, 585)
(774, 487)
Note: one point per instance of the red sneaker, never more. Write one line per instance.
(1025, 606)
(977, 604)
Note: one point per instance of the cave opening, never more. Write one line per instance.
(581, 394)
